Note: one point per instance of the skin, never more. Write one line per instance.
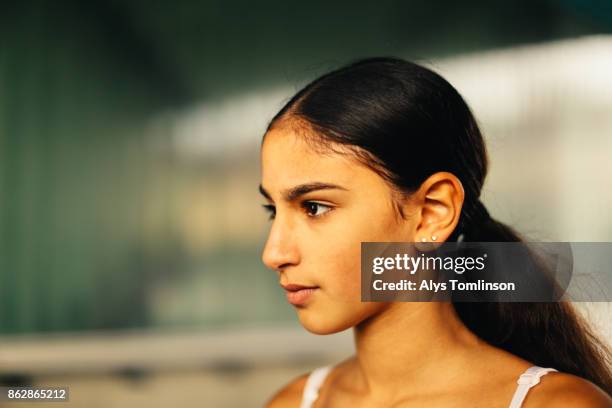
(408, 354)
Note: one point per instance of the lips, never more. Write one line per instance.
(299, 294)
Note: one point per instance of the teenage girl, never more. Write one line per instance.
(385, 150)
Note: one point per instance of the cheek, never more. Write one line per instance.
(338, 305)
(334, 259)
(333, 255)
(345, 266)
(335, 265)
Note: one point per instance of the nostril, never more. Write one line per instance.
(279, 253)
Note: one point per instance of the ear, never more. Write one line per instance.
(440, 199)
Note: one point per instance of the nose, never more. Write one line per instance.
(281, 249)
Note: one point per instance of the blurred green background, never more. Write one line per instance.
(95, 195)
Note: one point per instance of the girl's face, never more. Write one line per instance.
(322, 207)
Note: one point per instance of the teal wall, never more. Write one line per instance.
(74, 172)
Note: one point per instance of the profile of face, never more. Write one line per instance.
(385, 117)
(322, 207)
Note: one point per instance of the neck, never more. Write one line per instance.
(424, 342)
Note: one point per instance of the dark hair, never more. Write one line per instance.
(388, 111)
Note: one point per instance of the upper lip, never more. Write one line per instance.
(292, 287)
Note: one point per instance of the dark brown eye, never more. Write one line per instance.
(314, 209)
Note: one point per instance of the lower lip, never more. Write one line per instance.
(299, 297)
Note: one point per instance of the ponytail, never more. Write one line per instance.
(548, 334)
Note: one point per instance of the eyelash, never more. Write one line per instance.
(272, 210)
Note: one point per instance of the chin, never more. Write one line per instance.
(316, 323)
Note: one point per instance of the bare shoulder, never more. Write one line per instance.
(290, 395)
(566, 390)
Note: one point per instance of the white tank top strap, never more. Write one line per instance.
(528, 379)
(313, 383)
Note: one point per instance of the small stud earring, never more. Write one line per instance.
(423, 239)
(433, 237)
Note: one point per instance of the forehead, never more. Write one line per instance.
(288, 159)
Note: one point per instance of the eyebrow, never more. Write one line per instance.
(298, 191)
